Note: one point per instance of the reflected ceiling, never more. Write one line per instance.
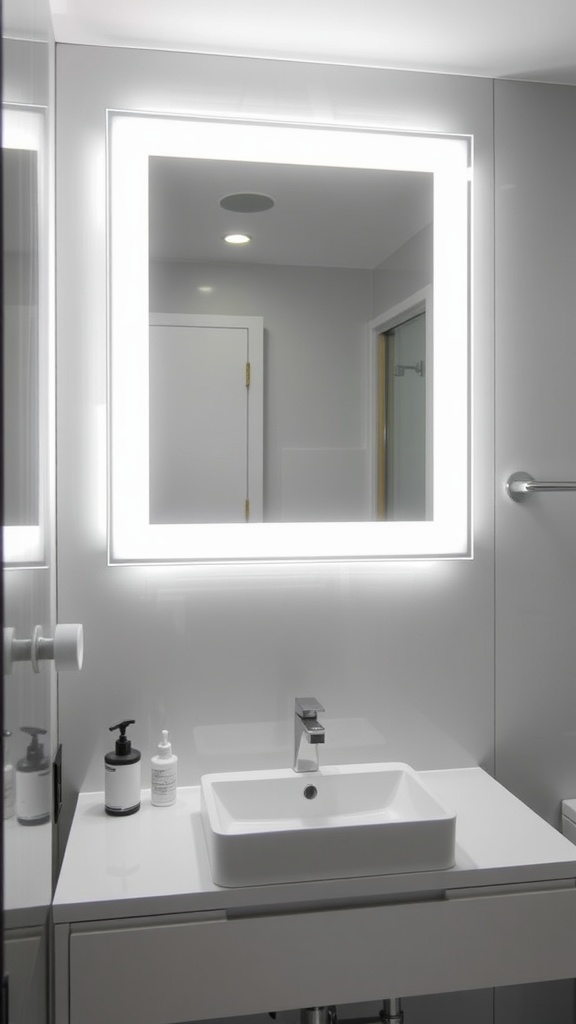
(322, 216)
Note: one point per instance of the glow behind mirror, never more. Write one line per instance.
(132, 139)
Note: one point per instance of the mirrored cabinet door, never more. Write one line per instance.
(29, 705)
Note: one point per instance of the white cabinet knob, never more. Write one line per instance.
(65, 648)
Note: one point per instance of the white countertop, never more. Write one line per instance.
(155, 861)
(27, 872)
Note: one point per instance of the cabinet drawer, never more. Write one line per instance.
(164, 971)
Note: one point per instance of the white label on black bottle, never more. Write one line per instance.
(33, 792)
(121, 786)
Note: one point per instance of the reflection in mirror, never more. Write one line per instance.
(403, 369)
(340, 226)
(403, 438)
(27, 583)
(206, 375)
(29, 698)
(24, 314)
(20, 181)
(328, 248)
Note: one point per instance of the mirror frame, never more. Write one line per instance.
(132, 137)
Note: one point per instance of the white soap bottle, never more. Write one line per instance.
(33, 781)
(164, 774)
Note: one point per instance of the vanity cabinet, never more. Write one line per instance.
(186, 967)
(164, 954)
(26, 952)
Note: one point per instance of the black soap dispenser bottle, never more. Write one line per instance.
(33, 781)
(122, 774)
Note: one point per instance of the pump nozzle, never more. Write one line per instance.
(165, 747)
(35, 750)
(123, 744)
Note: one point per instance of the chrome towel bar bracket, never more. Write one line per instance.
(520, 486)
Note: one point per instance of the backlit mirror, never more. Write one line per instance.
(301, 392)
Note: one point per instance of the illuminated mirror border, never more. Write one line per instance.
(23, 128)
(132, 139)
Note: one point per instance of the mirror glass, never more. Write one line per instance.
(404, 420)
(339, 238)
(27, 578)
(21, 459)
(29, 697)
(329, 249)
(24, 405)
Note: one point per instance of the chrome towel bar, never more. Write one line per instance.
(520, 486)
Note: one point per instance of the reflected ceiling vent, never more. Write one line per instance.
(247, 202)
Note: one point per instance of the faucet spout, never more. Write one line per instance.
(308, 733)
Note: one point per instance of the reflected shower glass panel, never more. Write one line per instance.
(402, 461)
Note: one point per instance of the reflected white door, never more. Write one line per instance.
(205, 437)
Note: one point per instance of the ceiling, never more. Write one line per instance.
(523, 39)
(526, 39)
(322, 216)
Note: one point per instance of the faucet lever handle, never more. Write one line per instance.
(308, 707)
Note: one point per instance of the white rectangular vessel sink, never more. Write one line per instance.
(343, 821)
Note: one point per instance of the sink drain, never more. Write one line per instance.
(310, 792)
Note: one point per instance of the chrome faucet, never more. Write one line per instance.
(307, 729)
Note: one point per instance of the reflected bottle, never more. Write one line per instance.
(33, 781)
(9, 786)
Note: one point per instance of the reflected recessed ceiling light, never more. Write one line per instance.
(247, 202)
(237, 239)
(205, 288)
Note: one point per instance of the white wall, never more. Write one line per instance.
(535, 432)
(218, 656)
(405, 272)
(400, 654)
(535, 577)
